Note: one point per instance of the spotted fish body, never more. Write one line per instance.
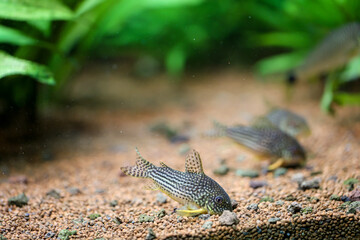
(288, 122)
(270, 142)
(334, 51)
(192, 188)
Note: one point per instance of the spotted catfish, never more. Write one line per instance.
(267, 142)
(197, 192)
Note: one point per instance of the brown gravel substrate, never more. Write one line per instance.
(79, 152)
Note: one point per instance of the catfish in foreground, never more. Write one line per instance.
(197, 192)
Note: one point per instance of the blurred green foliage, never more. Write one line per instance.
(43, 41)
(46, 40)
(293, 28)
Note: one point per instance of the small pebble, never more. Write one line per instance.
(313, 199)
(49, 235)
(307, 210)
(164, 129)
(350, 183)
(315, 173)
(228, 218)
(234, 204)
(207, 225)
(345, 198)
(294, 207)
(257, 184)
(145, 218)
(333, 178)
(78, 220)
(161, 198)
(266, 199)
(222, 170)
(279, 172)
(310, 184)
(73, 190)
(65, 234)
(354, 207)
(355, 195)
(150, 235)
(54, 193)
(335, 197)
(204, 216)
(94, 216)
(247, 173)
(117, 220)
(19, 200)
(297, 177)
(113, 203)
(274, 220)
(279, 203)
(160, 213)
(100, 190)
(253, 206)
(290, 197)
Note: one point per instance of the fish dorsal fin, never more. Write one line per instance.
(163, 165)
(193, 163)
(262, 122)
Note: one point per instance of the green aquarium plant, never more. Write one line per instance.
(42, 42)
(294, 29)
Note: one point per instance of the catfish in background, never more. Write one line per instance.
(267, 142)
(333, 52)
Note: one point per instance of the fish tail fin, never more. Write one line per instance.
(219, 129)
(141, 169)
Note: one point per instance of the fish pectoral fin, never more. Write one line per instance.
(260, 157)
(191, 213)
(152, 186)
(276, 164)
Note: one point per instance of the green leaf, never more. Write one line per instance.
(172, 3)
(13, 36)
(328, 95)
(175, 61)
(352, 70)
(42, 25)
(24, 10)
(342, 98)
(273, 17)
(285, 39)
(87, 5)
(10, 65)
(279, 63)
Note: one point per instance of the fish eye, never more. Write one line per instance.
(219, 199)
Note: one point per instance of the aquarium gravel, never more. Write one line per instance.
(109, 205)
